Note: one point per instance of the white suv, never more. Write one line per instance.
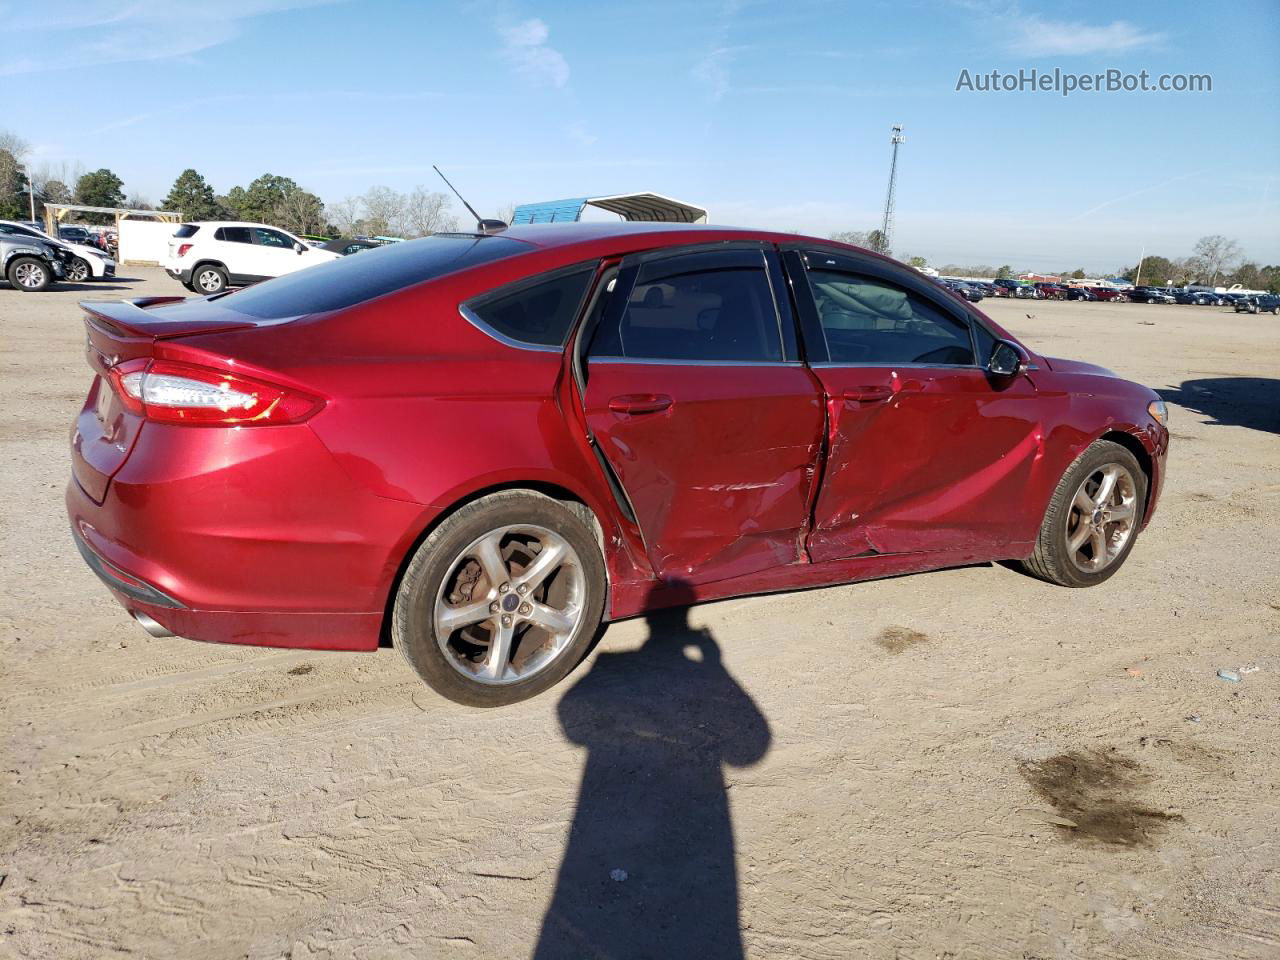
(208, 257)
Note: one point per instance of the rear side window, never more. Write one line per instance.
(699, 307)
(234, 235)
(186, 230)
(872, 321)
(351, 280)
(536, 314)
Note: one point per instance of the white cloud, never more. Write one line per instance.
(524, 45)
(1035, 36)
(101, 32)
(580, 135)
(712, 70)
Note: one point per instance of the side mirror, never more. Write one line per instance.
(299, 247)
(1007, 360)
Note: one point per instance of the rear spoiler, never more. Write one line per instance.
(132, 318)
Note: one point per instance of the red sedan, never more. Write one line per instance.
(479, 447)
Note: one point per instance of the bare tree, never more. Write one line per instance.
(507, 212)
(426, 212)
(346, 214)
(1213, 255)
(383, 211)
(11, 143)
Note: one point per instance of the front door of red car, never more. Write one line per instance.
(925, 451)
(695, 397)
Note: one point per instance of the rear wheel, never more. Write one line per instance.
(1093, 518)
(29, 274)
(502, 600)
(208, 279)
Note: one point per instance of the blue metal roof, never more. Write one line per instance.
(549, 211)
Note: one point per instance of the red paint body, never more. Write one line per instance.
(743, 479)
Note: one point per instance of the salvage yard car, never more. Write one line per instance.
(30, 265)
(479, 447)
(86, 263)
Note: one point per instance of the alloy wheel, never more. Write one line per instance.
(1102, 517)
(209, 280)
(30, 275)
(510, 605)
(79, 271)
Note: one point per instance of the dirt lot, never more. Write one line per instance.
(965, 764)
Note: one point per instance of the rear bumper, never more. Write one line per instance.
(182, 276)
(254, 537)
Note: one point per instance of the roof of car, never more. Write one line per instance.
(231, 223)
(564, 234)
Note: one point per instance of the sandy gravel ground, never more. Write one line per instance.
(965, 764)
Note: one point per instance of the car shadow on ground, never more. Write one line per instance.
(650, 868)
(1252, 402)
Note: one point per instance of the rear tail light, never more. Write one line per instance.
(172, 392)
(183, 248)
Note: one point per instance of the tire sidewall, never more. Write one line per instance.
(200, 288)
(1054, 532)
(12, 275)
(412, 616)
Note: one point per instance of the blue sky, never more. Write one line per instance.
(769, 114)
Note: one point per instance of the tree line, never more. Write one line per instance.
(270, 199)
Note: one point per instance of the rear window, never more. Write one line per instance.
(351, 280)
(186, 230)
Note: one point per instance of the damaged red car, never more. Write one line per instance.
(480, 447)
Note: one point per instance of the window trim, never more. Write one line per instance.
(633, 267)
(846, 262)
(467, 308)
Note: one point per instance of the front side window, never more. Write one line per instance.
(873, 321)
(272, 238)
(681, 312)
(539, 313)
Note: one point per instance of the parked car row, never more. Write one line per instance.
(974, 290)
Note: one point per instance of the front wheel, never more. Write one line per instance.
(29, 274)
(79, 271)
(1093, 518)
(502, 600)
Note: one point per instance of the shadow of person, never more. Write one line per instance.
(1252, 402)
(649, 869)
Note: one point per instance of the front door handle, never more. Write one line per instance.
(640, 403)
(872, 394)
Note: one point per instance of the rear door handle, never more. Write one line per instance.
(640, 403)
(874, 394)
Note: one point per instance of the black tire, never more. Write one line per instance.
(79, 271)
(208, 279)
(29, 274)
(412, 617)
(1051, 559)
(189, 285)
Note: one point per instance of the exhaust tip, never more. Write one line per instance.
(156, 630)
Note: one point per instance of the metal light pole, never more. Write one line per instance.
(31, 193)
(886, 226)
